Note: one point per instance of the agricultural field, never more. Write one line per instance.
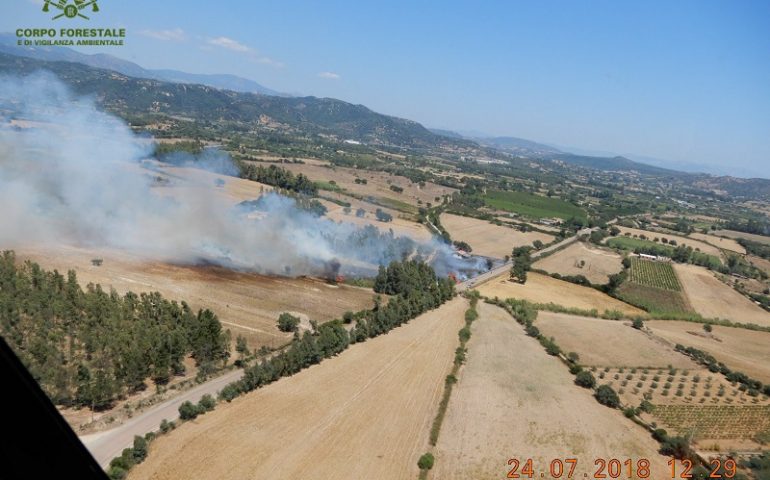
(629, 243)
(760, 263)
(515, 401)
(377, 183)
(374, 403)
(400, 226)
(246, 303)
(713, 299)
(655, 287)
(742, 350)
(748, 236)
(621, 345)
(719, 242)
(544, 289)
(680, 240)
(487, 238)
(580, 258)
(531, 205)
(693, 401)
(654, 274)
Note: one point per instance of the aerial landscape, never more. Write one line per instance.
(208, 278)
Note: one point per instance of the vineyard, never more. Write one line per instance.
(716, 421)
(654, 274)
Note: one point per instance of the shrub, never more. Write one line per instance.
(117, 473)
(426, 461)
(206, 403)
(660, 434)
(140, 449)
(638, 323)
(677, 447)
(629, 412)
(585, 379)
(188, 411)
(166, 426)
(287, 322)
(574, 369)
(607, 396)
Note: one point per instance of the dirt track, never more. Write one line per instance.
(363, 414)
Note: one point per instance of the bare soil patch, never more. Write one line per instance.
(367, 410)
(596, 264)
(612, 343)
(515, 401)
(489, 239)
(544, 289)
(712, 298)
(742, 350)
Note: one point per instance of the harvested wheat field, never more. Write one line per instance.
(486, 238)
(680, 240)
(232, 190)
(544, 289)
(742, 350)
(515, 401)
(713, 299)
(760, 263)
(377, 183)
(596, 264)
(246, 303)
(748, 236)
(725, 243)
(401, 227)
(365, 413)
(621, 345)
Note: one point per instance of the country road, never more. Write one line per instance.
(499, 270)
(105, 446)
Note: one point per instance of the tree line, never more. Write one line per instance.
(90, 347)
(415, 289)
(278, 177)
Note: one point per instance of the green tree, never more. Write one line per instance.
(426, 461)
(140, 449)
(585, 379)
(188, 411)
(288, 322)
(607, 396)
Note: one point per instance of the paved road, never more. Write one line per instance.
(105, 446)
(497, 271)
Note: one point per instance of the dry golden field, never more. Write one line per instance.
(748, 236)
(401, 227)
(598, 264)
(363, 414)
(611, 343)
(378, 183)
(486, 238)
(742, 350)
(713, 299)
(515, 401)
(246, 303)
(544, 289)
(724, 243)
(680, 240)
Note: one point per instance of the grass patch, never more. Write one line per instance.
(655, 300)
(533, 205)
(630, 243)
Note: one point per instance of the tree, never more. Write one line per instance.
(166, 426)
(206, 403)
(677, 447)
(288, 322)
(537, 244)
(707, 327)
(188, 411)
(585, 379)
(638, 323)
(426, 461)
(607, 396)
(140, 449)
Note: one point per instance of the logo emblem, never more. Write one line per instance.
(70, 10)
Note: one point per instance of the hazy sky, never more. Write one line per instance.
(681, 80)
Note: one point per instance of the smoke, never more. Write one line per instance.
(72, 174)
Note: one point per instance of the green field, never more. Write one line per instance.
(629, 243)
(532, 205)
(654, 300)
(654, 274)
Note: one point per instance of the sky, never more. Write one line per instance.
(685, 81)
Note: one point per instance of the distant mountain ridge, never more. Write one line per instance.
(109, 62)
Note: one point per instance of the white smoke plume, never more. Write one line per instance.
(70, 173)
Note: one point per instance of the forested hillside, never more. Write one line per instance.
(89, 347)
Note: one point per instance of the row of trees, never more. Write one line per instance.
(278, 177)
(753, 386)
(522, 263)
(90, 347)
(415, 289)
